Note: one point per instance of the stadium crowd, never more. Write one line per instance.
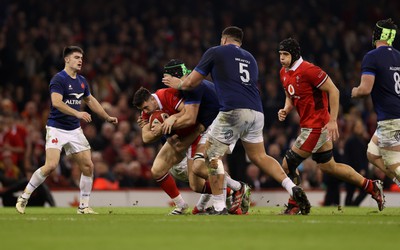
(126, 45)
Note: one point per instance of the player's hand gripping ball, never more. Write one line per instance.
(158, 117)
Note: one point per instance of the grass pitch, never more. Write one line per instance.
(151, 228)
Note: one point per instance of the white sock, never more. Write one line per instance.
(219, 202)
(85, 185)
(35, 181)
(179, 201)
(288, 184)
(233, 184)
(202, 202)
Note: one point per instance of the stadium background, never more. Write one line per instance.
(126, 44)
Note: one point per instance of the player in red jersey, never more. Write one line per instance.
(312, 92)
(170, 101)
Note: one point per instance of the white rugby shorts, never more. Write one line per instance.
(245, 124)
(388, 133)
(73, 141)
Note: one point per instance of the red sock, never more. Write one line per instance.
(368, 185)
(167, 183)
(206, 188)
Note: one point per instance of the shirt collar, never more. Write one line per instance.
(296, 64)
(158, 101)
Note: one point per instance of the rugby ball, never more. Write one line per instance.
(158, 117)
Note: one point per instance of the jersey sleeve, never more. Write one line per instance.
(368, 65)
(173, 98)
(206, 62)
(316, 76)
(56, 86)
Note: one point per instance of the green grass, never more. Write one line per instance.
(151, 228)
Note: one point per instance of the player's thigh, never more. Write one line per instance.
(165, 159)
(77, 142)
(255, 151)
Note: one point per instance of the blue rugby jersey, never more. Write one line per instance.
(384, 64)
(234, 72)
(206, 96)
(73, 91)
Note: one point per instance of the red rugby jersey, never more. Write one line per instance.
(302, 83)
(168, 100)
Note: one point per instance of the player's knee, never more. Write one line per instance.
(49, 167)
(322, 157)
(199, 164)
(156, 173)
(216, 167)
(87, 168)
(293, 160)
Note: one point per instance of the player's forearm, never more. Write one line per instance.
(148, 136)
(334, 104)
(184, 122)
(191, 81)
(64, 108)
(360, 91)
(288, 105)
(96, 107)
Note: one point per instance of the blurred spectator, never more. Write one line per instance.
(102, 140)
(13, 138)
(9, 172)
(104, 178)
(35, 150)
(130, 175)
(40, 197)
(112, 153)
(57, 180)
(355, 155)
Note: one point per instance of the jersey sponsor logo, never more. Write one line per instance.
(77, 96)
(73, 102)
(290, 89)
(70, 87)
(292, 92)
(54, 141)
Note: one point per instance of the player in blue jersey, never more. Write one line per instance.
(67, 90)
(235, 73)
(380, 77)
(201, 106)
